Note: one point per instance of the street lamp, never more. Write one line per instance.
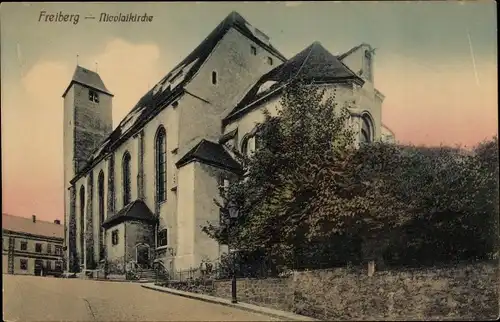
(233, 214)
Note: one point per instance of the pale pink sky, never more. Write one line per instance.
(436, 63)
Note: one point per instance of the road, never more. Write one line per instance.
(32, 298)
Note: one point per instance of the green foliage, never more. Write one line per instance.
(309, 198)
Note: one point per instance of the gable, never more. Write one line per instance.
(315, 64)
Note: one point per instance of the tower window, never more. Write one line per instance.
(270, 61)
(93, 96)
(214, 78)
(253, 50)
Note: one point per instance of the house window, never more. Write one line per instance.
(270, 61)
(49, 265)
(253, 50)
(93, 96)
(214, 78)
(38, 247)
(24, 264)
(49, 248)
(58, 250)
(114, 237)
(163, 237)
(126, 178)
(58, 266)
(24, 245)
(161, 164)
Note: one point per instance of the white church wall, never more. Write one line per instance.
(237, 69)
(186, 217)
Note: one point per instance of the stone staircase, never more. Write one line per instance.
(147, 275)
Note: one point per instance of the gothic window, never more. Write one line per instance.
(100, 192)
(82, 218)
(163, 237)
(93, 96)
(366, 130)
(245, 145)
(126, 179)
(214, 78)
(161, 164)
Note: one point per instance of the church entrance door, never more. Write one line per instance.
(142, 255)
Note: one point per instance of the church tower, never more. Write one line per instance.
(87, 122)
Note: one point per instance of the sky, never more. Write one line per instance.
(436, 63)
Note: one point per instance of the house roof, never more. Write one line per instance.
(314, 63)
(27, 226)
(88, 78)
(136, 210)
(210, 153)
(172, 85)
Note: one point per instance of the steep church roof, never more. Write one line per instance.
(172, 85)
(136, 210)
(315, 63)
(210, 153)
(88, 78)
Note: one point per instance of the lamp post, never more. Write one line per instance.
(233, 214)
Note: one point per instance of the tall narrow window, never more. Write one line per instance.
(82, 220)
(161, 162)
(366, 130)
(214, 78)
(253, 50)
(126, 178)
(100, 192)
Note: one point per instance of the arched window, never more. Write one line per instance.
(126, 178)
(82, 220)
(245, 145)
(366, 135)
(100, 196)
(161, 164)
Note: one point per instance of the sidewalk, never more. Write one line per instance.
(286, 316)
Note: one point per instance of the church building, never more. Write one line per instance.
(141, 192)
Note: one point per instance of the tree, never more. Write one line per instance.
(301, 191)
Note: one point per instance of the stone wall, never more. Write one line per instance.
(462, 291)
(275, 293)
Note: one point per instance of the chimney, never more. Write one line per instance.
(57, 222)
(34, 218)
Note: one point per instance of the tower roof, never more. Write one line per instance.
(88, 78)
(314, 63)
